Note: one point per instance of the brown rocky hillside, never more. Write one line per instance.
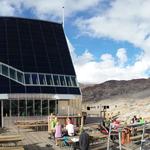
(139, 88)
(126, 97)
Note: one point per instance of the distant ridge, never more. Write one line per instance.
(137, 88)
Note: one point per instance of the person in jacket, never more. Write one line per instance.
(84, 140)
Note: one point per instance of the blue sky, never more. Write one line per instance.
(108, 39)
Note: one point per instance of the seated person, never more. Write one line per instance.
(58, 131)
(70, 128)
(84, 140)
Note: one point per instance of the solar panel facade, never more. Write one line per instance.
(34, 46)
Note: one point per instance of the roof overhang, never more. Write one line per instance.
(39, 96)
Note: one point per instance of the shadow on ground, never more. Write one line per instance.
(37, 147)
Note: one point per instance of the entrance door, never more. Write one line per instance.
(0, 115)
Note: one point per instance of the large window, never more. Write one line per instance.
(51, 106)
(20, 77)
(5, 70)
(37, 107)
(62, 81)
(28, 79)
(45, 107)
(42, 79)
(74, 83)
(68, 80)
(22, 108)
(30, 107)
(56, 80)
(49, 79)
(6, 106)
(35, 79)
(14, 107)
(12, 73)
(38, 79)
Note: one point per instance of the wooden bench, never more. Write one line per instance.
(12, 148)
(138, 137)
(32, 126)
(10, 139)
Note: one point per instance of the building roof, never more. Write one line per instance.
(34, 46)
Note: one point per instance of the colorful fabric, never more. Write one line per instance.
(58, 131)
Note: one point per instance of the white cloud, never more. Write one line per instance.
(126, 20)
(122, 56)
(46, 9)
(123, 21)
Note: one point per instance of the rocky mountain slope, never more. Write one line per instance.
(126, 97)
(138, 88)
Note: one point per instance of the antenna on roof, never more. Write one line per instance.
(63, 18)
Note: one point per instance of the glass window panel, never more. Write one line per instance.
(45, 107)
(14, 107)
(56, 80)
(37, 107)
(22, 108)
(6, 106)
(62, 80)
(29, 107)
(42, 79)
(49, 80)
(12, 73)
(27, 79)
(35, 79)
(20, 77)
(73, 79)
(68, 81)
(4, 70)
(52, 106)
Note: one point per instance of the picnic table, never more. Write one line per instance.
(10, 139)
(34, 124)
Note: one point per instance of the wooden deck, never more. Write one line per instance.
(39, 140)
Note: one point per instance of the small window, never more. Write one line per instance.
(5, 70)
(42, 79)
(62, 80)
(12, 73)
(27, 79)
(56, 80)
(49, 80)
(20, 77)
(35, 79)
(68, 81)
(74, 83)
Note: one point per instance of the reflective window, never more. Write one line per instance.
(20, 77)
(62, 80)
(45, 107)
(30, 107)
(37, 107)
(12, 73)
(27, 79)
(14, 107)
(4, 70)
(22, 108)
(56, 80)
(68, 81)
(52, 106)
(49, 80)
(74, 83)
(6, 108)
(42, 79)
(35, 79)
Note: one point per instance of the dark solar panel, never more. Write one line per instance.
(35, 46)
